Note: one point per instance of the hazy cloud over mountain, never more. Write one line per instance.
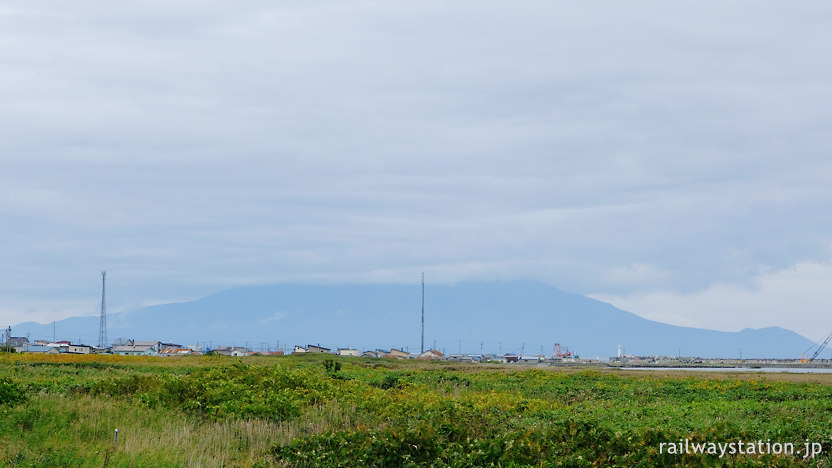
(636, 151)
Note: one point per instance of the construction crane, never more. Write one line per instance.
(560, 353)
(817, 351)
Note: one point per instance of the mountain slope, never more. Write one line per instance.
(503, 316)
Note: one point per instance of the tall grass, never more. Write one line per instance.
(55, 430)
(207, 412)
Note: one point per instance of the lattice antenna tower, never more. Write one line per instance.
(102, 328)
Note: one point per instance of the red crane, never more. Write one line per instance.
(560, 353)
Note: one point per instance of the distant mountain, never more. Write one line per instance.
(500, 316)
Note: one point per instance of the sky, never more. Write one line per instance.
(671, 158)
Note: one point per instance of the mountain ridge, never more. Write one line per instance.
(498, 317)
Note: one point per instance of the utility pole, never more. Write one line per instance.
(423, 313)
(102, 327)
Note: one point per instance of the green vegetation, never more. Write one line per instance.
(324, 411)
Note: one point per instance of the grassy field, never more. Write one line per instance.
(323, 411)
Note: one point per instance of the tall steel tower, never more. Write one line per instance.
(102, 328)
(423, 312)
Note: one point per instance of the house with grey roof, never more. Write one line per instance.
(167, 352)
(41, 349)
(79, 349)
(135, 350)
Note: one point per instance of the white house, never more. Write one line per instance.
(239, 351)
(167, 352)
(79, 349)
(431, 354)
(135, 350)
(396, 354)
(231, 351)
(40, 349)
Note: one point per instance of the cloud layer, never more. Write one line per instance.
(628, 150)
(797, 298)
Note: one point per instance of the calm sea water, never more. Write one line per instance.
(795, 370)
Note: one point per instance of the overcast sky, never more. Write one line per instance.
(672, 158)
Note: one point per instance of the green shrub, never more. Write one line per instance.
(331, 366)
(390, 380)
(11, 393)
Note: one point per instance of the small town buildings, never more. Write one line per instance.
(317, 349)
(431, 355)
(17, 342)
(299, 350)
(34, 348)
(238, 351)
(399, 353)
(396, 354)
(371, 354)
(235, 351)
(348, 352)
(61, 346)
(135, 350)
(131, 346)
(222, 351)
(156, 345)
(531, 359)
(461, 358)
(79, 349)
(167, 352)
